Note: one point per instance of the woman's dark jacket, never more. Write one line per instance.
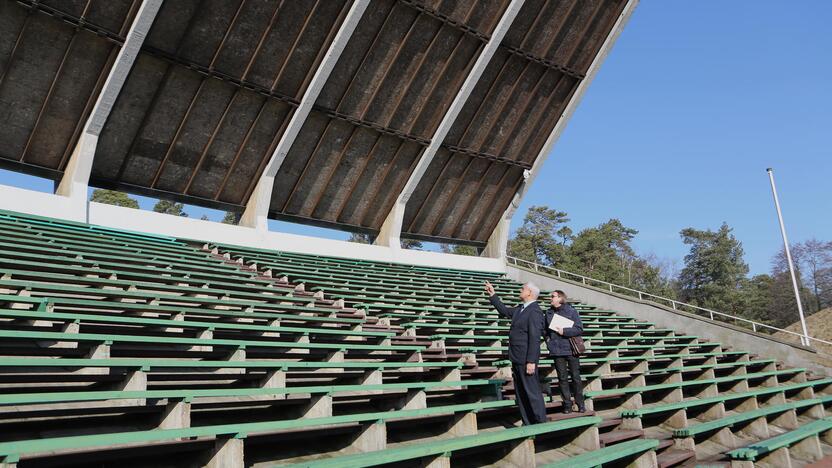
(559, 344)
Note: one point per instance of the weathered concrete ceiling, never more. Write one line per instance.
(217, 81)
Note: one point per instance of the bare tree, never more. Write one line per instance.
(816, 259)
(813, 268)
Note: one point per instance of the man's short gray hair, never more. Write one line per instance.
(534, 289)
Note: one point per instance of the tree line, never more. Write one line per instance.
(714, 273)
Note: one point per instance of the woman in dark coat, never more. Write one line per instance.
(561, 351)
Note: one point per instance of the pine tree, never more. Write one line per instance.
(171, 208)
(112, 197)
(714, 269)
(230, 218)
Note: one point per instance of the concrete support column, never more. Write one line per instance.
(256, 214)
(227, 453)
(414, 399)
(464, 424)
(756, 429)
(319, 407)
(779, 458)
(177, 415)
(373, 437)
(75, 180)
(645, 460)
(589, 439)
(497, 246)
(521, 454)
(257, 208)
(390, 234)
(530, 175)
(372, 377)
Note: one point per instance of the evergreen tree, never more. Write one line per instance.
(604, 252)
(714, 270)
(759, 298)
(171, 208)
(112, 197)
(535, 239)
(230, 218)
(411, 244)
(458, 249)
(360, 238)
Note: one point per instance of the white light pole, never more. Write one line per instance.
(805, 338)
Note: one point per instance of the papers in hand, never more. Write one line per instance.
(559, 321)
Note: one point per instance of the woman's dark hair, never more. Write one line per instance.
(561, 294)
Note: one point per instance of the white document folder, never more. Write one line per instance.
(559, 321)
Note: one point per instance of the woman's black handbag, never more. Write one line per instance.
(577, 345)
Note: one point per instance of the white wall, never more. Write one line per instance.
(55, 206)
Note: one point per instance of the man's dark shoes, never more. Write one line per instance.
(567, 409)
(582, 409)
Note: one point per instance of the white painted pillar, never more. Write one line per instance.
(75, 181)
(497, 246)
(492, 250)
(390, 233)
(257, 208)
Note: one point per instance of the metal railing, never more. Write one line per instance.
(664, 301)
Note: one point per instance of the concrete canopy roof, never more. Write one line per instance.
(216, 83)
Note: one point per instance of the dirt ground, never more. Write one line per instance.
(820, 326)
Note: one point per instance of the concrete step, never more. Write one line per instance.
(614, 437)
(674, 457)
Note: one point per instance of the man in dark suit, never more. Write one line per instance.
(560, 349)
(524, 350)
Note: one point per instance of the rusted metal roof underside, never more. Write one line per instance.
(217, 81)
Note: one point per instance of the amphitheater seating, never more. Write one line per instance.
(122, 346)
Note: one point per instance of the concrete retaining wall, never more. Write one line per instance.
(60, 207)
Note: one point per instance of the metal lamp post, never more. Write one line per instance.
(805, 337)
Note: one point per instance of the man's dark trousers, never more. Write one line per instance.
(574, 375)
(528, 394)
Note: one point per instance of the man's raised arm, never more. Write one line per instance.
(496, 302)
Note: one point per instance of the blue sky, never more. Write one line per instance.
(694, 102)
(677, 129)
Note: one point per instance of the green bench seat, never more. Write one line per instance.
(666, 386)
(242, 344)
(47, 303)
(10, 452)
(757, 449)
(745, 416)
(597, 458)
(696, 402)
(205, 289)
(46, 268)
(701, 367)
(187, 324)
(147, 364)
(418, 325)
(12, 256)
(160, 263)
(490, 386)
(446, 447)
(50, 288)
